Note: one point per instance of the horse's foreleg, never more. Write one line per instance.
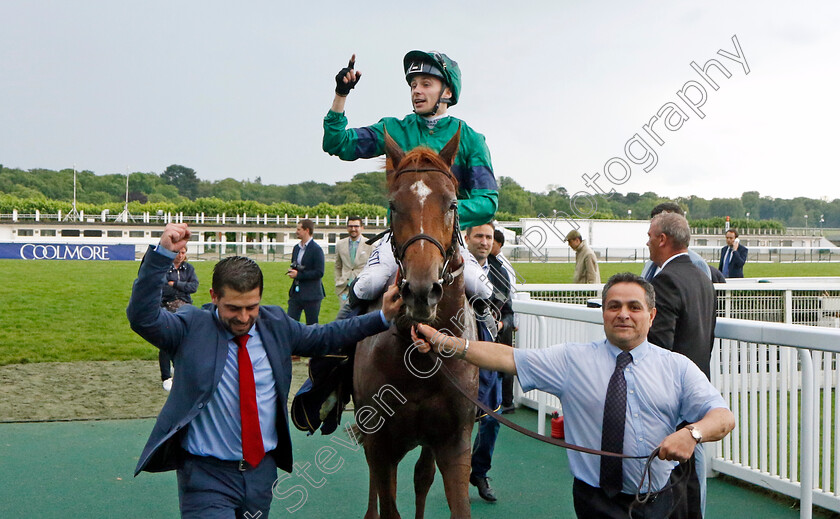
(424, 476)
(453, 460)
(383, 478)
(372, 509)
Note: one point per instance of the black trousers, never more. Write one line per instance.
(311, 308)
(507, 390)
(687, 494)
(593, 503)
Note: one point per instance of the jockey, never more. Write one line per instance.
(435, 82)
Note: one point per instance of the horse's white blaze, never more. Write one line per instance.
(421, 190)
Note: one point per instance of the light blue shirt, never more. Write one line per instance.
(302, 250)
(217, 430)
(663, 389)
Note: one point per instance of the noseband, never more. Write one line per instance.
(446, 277)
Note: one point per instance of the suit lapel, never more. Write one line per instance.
(271, 351)
(344, 252)
(221, 351)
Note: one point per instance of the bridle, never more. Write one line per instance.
(446, 277)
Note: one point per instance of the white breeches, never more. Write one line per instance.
(381, 267)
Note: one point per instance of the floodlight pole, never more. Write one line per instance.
(73, 214)
(125, 215)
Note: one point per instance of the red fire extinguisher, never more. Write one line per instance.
(557, 428)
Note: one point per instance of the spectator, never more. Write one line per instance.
(649, 270)
(717, 276)
(181, 281)
(733, 256)
(306, 271)
(351, 255)
(496, 251)
(586, 265)
(660, 390)
(494, 317)
(506, 334)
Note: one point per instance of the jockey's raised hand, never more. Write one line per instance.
(347, 78)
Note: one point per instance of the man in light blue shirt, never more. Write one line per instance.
(662, 389)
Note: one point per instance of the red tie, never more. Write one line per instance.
(252, 443)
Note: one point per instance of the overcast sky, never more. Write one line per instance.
(239, 89)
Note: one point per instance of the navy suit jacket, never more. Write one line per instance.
(198, 345)
(736, 264)
(309, 279)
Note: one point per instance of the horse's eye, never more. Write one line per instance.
(453, 206)
(391, 207)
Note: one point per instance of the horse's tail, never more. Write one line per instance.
(357, 433)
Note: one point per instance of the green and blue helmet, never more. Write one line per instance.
(437, 64)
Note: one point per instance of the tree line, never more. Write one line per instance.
(179, 189)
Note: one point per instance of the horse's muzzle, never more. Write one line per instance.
(421, 299)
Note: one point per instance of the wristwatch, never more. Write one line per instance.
(695, 433)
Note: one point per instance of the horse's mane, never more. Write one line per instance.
(420, 157)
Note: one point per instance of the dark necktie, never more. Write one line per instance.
(649, 275)
(612, 434)
(252, 443)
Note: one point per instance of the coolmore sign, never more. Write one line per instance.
(66, 251)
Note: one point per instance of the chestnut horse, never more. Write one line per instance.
(401, 399)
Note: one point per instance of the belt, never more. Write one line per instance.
(622, 497)
(240, 465)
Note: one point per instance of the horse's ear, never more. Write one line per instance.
(393, 153)
(451, 149)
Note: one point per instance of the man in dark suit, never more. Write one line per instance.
(733, 256)
(224, 426)
(684, 323)
(306, 271)
(495, 323)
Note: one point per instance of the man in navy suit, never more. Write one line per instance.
(306, 271)
(225, 429)
(733, 256)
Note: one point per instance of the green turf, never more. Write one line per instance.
(74, 310)
(84, 469)
(539, 272)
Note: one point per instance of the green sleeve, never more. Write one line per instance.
(479, 208)
(354, 143)
(338, 140)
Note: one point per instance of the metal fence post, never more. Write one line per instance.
(806, 440)
(542, 339)
(789, 306)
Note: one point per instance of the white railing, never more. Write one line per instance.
(809, 301)
(263, 219)
(780, 381)
(757, 254)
